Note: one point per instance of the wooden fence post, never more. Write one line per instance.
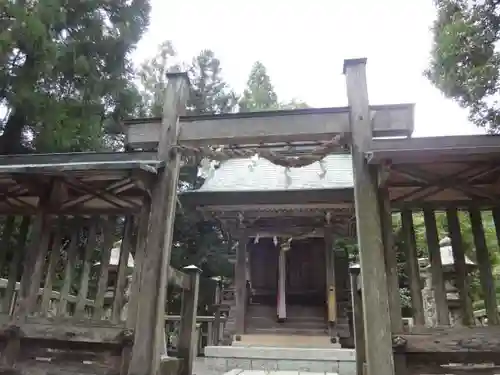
(186, 347)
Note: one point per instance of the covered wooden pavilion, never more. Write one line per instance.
(404, 174)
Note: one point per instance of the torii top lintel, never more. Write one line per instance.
(300, 125)
(316, 124)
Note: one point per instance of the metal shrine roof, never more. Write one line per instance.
(262, 175)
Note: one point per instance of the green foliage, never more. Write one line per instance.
(153, 78)
(196, 240)
(65, 70)
(209, 92)
(465, 64)
(294, 104)
(259, 94)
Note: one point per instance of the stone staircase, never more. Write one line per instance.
(301, 320)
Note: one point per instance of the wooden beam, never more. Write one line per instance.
(297, 197)
(149, 338)
(484, 263)
(446, 148)
(67, 331)
(319, 124)
(410, 249)
(441, 340)
(460, 266)
(121, 158)
(443, 313)
(376, 317)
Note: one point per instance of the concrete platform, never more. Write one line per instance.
(286, 341)
(280, 359)
(257, 372)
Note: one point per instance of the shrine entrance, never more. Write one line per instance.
(304, 281)
(305, 272)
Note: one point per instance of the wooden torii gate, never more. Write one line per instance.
(176, 134)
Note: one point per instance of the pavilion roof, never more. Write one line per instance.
(262, 175)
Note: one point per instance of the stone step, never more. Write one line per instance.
(285, 340)
(289, 331)
(260, 372)
(294, 319)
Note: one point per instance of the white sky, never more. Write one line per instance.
(303, 45)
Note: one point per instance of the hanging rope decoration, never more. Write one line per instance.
(297, 161)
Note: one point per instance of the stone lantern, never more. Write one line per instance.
(449, 278)
(114, 260)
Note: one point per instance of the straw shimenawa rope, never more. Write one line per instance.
(297, 161)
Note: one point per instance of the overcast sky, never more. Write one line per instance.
(303, 45)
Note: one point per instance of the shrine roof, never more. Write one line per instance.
(262, 175)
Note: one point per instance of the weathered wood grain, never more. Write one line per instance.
(15, 265)
(85, 276)
(188, 332)
(149, 338)
(443, 313)
(410, 249)
(484, 263)
(51, 269)
(102, 286)
(377, 325)
(67, 331)
(460, 266)
(69, 268)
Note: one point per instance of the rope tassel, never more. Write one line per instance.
(298, 161)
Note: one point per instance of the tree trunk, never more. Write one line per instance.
(10, 141)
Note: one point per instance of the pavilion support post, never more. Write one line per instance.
(496, 220)
(141, 227)
(391, 262)
(410, 248)
(330, 277)
(442, 311)
(282, 286)
(187, 348)
(460, 266)
(391, 267)
(149, 333)
(357, 312)
(377, 322)
(484, 264)
(241, 281)
(34, 262)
